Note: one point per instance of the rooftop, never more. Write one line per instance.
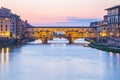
(117, 6)
(59, 27)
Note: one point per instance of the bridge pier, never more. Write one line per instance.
(71, 42)
(71, 39)
(44, 40)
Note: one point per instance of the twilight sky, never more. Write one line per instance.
(59, 12)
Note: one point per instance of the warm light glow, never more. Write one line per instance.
(103, 34)
(86, 45)
(6, 18)
(111, 54)
(118, 34)
(7, 55)
(2, 56)
(111, 33)
(14, 36)
(2, 34)
(7, 34)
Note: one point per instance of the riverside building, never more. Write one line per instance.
(113, 21)
(5, 22)
(11, 25)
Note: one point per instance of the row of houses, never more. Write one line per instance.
(11, 25)
(110, 25)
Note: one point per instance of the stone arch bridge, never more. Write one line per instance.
(69, 33)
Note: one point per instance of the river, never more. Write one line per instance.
(61, 61)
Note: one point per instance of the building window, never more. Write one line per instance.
(13, 29)
(6, 27)
(6, 18)
(1, 27)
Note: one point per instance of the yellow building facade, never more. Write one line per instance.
(5, 27)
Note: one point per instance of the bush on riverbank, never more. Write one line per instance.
(104, 47)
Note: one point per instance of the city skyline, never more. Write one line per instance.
(54, 12)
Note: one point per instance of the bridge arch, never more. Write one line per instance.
(58, 40)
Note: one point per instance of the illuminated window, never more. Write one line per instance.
(6, 18)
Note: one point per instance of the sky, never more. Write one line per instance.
(59, 12)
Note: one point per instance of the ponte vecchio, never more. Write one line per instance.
(70, 33)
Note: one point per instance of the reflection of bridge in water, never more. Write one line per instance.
(69, 33)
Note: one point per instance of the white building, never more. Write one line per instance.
(113, 20)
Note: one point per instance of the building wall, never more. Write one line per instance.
(113, 20)
(11, 25)
(5, 27)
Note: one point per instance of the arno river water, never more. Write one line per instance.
(58, 62)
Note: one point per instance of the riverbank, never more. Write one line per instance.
(103, 47)
(14, 42)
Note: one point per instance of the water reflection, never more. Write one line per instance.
(111, 54)
(4, 65)
(62, 44)
(2, 56)
(52, 45)
(100, 53)
(5, 55)
(114, 59)
(111, 59)
(58, 62)
(118, 55)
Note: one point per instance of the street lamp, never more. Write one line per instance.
(118, 34)
(111, 33)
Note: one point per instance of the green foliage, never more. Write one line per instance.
(104, 47)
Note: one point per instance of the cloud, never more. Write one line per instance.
(74, 21)
(66, 21)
